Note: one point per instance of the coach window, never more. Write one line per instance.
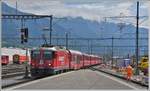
(72, 58)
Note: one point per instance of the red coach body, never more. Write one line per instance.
(76, 59)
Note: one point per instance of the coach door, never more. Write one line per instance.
(78, 59)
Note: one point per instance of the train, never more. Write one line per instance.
(13, 55)
(20, 59)
(17, 59)
(4, 59)
(55, 60)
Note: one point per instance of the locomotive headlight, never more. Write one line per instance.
(49, 64)
(32, 64)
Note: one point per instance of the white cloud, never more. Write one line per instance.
(88, 9)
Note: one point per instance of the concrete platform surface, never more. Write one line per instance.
(81, 79)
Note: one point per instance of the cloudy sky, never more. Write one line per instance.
(88, 9)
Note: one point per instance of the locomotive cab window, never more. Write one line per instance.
(35, 54)
(48, 54)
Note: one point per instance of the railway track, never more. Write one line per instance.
(14, 75)
(13, 79)
(4, 76)
(22, 80)
(17, 82)
(12, 68)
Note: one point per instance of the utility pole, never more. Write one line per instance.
(57, 40)
(137, 37)
(66, 40)
(112, 54)
(88, 46)
(16, 8)
(27, 60)
(91, 48)
(22, 41)
(43, 36)
(75, 45)
(91, 51)
(51, 18)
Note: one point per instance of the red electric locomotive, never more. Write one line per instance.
(48, 61)
(45, 61)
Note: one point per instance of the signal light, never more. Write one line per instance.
(24, 35)
(22, 39)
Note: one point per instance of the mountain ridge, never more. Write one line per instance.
(76, 27)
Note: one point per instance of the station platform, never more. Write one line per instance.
(80, 79)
